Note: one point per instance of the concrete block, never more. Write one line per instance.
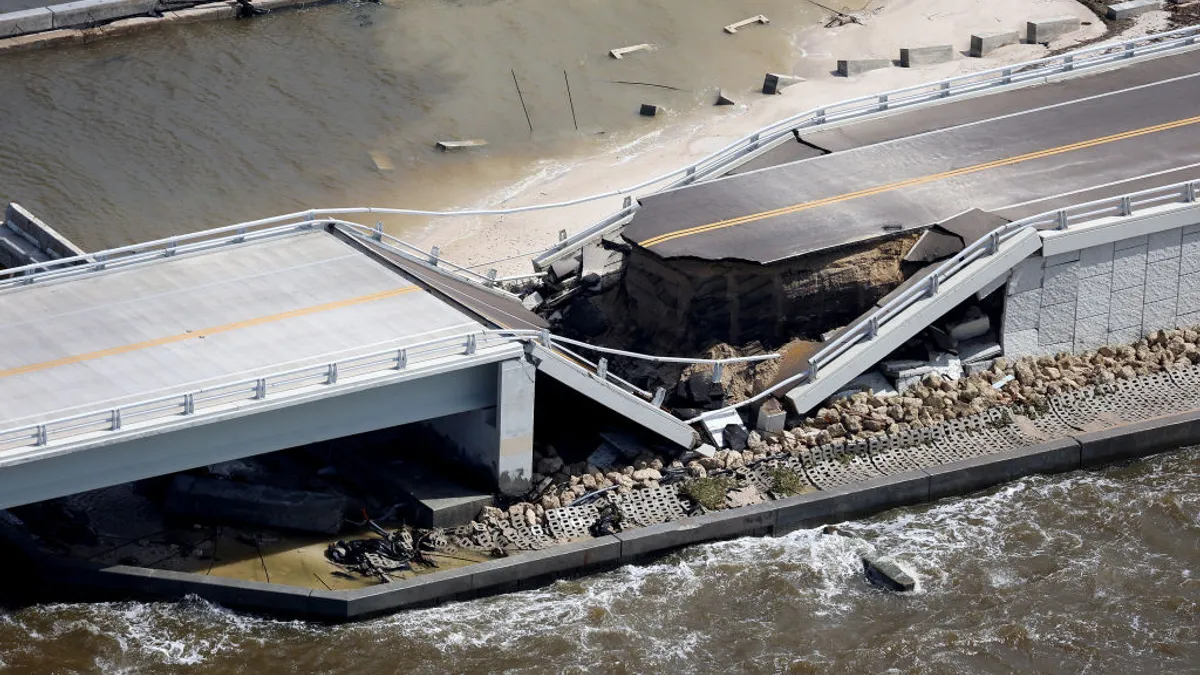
(851, 67)
(1093, 298)
(923, 56)
(1139, 439)
(620, 52)
(1125, 309)
(771, 417)
(1188, 300)
(1189, 254)
(857, 499)
(755, 520)
(1045, 30)
(648, 110)
(1156, 315)
(1061, 258)
(1095, 260)
(1026, 275)
(427, 589)
(1056, 324)
(1090, 334)
(1191, 320)
(1129, 268)
(1131, 242)
(92, 12)
(1128, 10)
(1163, 245)
(1061, 284)
(1162, 280)
(984, 43)
(1124, 336)
(527, 569)
(773, 83)
(975, 351)
(978, 473)
(1018, 343)
(722, 99)
(1021, 310)
(25, 21)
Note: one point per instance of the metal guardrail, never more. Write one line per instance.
(187, 404)
(1061, 219)
(1080, 60)
(722, 160)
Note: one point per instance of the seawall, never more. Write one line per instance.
(1078, 451)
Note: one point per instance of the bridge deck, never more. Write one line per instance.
(122, 335)
(869, 191)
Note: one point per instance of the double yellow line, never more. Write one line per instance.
(795, 208)
(205, 332)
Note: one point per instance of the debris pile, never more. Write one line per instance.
(391, 552)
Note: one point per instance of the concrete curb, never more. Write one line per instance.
(535, 568)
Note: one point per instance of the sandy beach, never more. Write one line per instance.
(886, 27)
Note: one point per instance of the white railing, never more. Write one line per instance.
(211, 398)
(864, 106)
(1061, 219)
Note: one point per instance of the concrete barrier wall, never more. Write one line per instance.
(1112, 293)
(527, 570)
(46, 238)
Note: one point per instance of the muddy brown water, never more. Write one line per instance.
(199, 125)
(1085, 572)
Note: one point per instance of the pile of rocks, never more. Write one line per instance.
(1021, 384)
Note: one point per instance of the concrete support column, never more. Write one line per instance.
(496, 444)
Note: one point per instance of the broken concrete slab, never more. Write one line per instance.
(983, 44)
(722, 99)
(733, 27)
(895, 367)
(873, 381)
(923, 56)
(885, 573)
(620, 52)
(715, 425)
(532, 301)
(980, 349)
(604, 457)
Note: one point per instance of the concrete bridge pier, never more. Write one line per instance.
(496, 443)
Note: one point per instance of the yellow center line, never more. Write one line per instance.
(205, 332)
(700, 229)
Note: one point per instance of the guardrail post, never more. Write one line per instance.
(813, 370)
(471, 344)
(945, 90)
(491, 277)
(660, 395)
(43, 436)
(331, 377)
(1007, 73)
(883, 101)
(241, 236)
(547, 340)
(434, 253)
(872, 327)
(1126, 207)
(718, 372)
(99, 265)
(1130, 50)
(562, 234)
(260, 388)
(602, 368)
(993, 243)
(753, 142)
(1189, 192)
(934, 284)
(1068, 62)
(170, 249)
(819, 117)
(1061, 220)
(189, 404)
(116, 419)
(628, 202)
(377, 235)
(401, 359)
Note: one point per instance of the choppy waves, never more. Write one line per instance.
(1089, 571)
